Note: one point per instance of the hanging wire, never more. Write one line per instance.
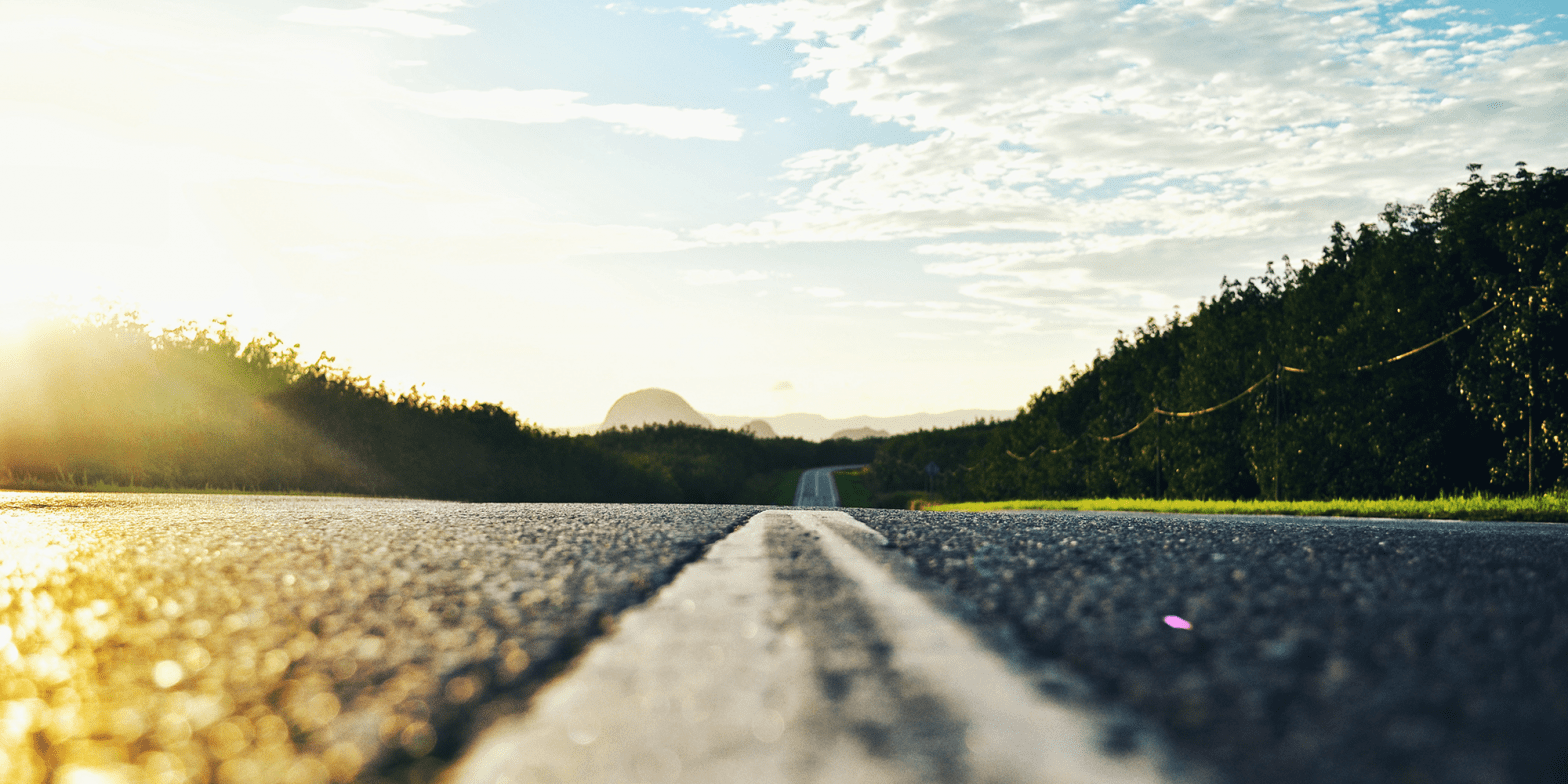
(1134, 429)
(1411, 352)
(1249, 390)
(1075, 441)
(1433, 343)
(1212, 409)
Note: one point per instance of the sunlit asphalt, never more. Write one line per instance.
(269, 639)
(172, 638)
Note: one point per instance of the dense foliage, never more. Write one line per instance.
(1280, 385)
(105, 401)
(1483, 410)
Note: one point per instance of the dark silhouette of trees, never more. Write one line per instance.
(102, 400)
(1486, 409)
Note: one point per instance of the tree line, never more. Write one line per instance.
(107, 401)
(1299, 383)
(1327, 415)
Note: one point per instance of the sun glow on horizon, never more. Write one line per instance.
(555, 209)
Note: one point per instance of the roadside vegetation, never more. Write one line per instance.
(105, 403)
(1424, 357)
(776, 488)
(1551, 508)
(852, 490)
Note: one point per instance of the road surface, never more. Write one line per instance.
(817, 488)
(232, 639)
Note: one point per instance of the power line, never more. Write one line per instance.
(1277, 373)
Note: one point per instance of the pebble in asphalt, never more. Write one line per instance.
(1320, 650)
(235, 639)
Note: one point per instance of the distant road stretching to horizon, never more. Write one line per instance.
(817, 488)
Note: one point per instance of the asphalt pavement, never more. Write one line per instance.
(235, 639)
(817, 488)
(1324, 650)
(795, 652)
(170, 638)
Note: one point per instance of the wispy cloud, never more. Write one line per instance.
(1164, 119)
(626, 8)
(719, 277)
(986, 319)
(403, 17)
(1132, 146)
(555, 106)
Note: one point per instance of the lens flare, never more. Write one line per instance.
(1177, 622)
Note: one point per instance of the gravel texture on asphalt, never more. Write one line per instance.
(233, 639)
(1320, 650)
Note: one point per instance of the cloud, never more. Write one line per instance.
(718, 277)
(371, 222)
(873, 304)
(826, 292)
(988, 320)
(554, 106)
(1130, 154)
(1160, 120)
(625, 8)
(403, 17)
(1417, 14)
(784, 386)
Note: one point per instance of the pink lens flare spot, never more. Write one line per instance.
(1177, 622)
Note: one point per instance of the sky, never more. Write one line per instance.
(859, 207)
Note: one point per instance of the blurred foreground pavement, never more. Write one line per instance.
(197, 638)
(174, 638)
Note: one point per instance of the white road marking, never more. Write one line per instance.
(1014, 733)
(708, 684)
(817, 487)
(698, 686)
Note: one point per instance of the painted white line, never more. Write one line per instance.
(817, 486)
(710, 684)
(1014, 733)
(700, 686)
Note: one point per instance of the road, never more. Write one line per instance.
(817, 488)
(233, 639)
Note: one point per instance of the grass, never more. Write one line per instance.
(852, 490)
(1548, 508)
(28, 483)
(101, 486)
(784, 491)
(775, 488)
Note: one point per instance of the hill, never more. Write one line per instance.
(652, 407)
(815, 427)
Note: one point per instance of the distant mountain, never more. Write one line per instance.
(859, 433)
(759, 428)
(652, 407)
(815, 427)
(658, 406)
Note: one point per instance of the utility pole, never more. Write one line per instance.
(1159, 448)
(1278, 402)
(1529, 383)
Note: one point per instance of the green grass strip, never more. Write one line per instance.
(784, 488)
(852, 490)
(38, 486)
(1552, 508)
